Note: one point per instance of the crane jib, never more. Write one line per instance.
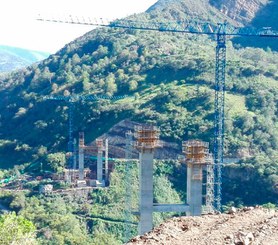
(194, 27)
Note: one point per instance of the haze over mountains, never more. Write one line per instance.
(12, 58)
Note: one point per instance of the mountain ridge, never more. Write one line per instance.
(240, 10)
(12, 58)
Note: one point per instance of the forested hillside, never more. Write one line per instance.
(170, 78)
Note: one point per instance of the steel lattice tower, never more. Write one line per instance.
(70, 143)
(219, 111)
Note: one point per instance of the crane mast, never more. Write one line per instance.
(221, 31)
(219, 106)
(71, 100)
(70, 143)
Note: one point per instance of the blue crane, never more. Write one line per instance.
(221, 31)
(71, 100)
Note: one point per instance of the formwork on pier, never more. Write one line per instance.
(147, 138)
(198, 159)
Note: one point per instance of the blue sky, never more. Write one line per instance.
(20, 29)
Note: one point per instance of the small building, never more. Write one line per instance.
(46, 189)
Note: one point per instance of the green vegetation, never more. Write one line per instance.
(16, 230)
(171, 79)
(100, 217)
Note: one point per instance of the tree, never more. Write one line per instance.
(56, 161)
(133, 85)
(111, 86)
(18, 201)
(54, 87)
(104, 239)
(16, 230)
(85, 76)
(75, 59)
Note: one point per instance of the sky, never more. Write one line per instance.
(19, 27)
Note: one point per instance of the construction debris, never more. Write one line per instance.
(232, 210)
(244, 227)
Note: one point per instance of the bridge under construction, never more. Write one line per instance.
(144, 140)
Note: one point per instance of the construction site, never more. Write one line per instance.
(105, 181)
(93, 164)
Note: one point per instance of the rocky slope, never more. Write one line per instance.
(240, 10)
(247, 226)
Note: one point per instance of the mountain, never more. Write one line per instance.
(12, 58)
(241, 11)
(256, 13)
(187, 9)
(170, 80)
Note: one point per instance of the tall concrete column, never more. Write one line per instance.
(194, 190)
(81, 163)
(100, 149)
(146, 191)
(74, 154)
(99, 166)
(106, 160)
(188, 190)
(197, 157)
(147, 139)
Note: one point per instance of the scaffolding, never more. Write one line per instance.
(147, 138)
(100, 145)
(209, 197)
(198, 159)
(102, 168)
(196, 152)
(81, 139)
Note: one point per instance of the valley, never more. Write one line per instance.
(161, 79)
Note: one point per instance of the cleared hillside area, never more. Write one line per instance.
(244, 227)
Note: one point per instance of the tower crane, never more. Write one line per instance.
(221, 31)
(71, 100)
